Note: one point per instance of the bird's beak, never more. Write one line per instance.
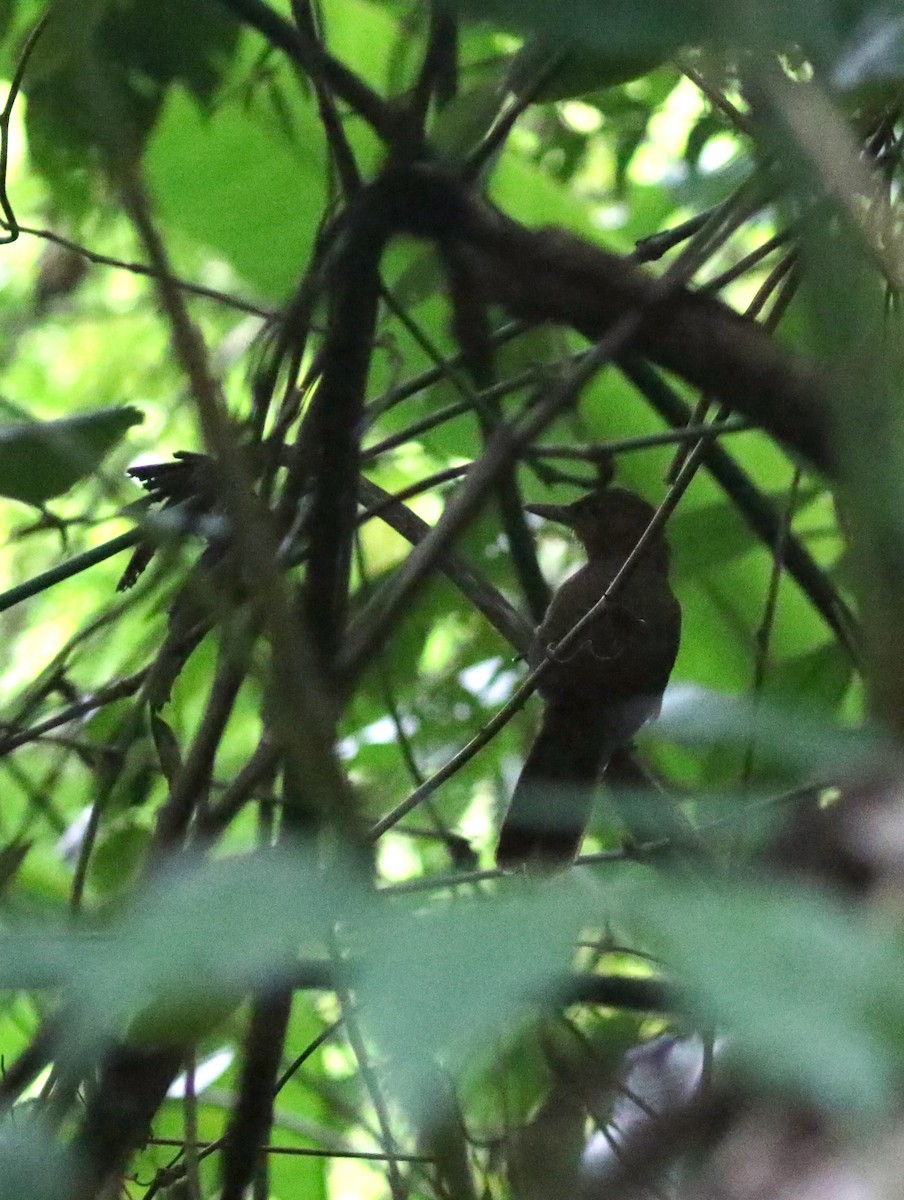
(552, 512)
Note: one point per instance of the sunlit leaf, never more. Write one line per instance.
(241, 185)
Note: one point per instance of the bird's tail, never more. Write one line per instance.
(550, 805)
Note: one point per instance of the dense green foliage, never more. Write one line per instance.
(181, 274)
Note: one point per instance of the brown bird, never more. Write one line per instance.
(600, 690)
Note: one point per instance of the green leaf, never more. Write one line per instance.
(366, 35)
(567, 71)
(119, 854)
(697, 716)
(199, 937)
(708, 536)
(462, 124)
(171, 40)
(7, 13)
(99, 70)
(531, 196)
(77, 102)
(818, 679)
(32, 1165)
(454, 983)
(809, 994)
(43, 459)
(235, 182)
(655, 26)
(616, 30)
(43, 959)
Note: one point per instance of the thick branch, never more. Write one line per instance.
(551, 275)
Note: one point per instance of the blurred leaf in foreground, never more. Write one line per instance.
(43, 459)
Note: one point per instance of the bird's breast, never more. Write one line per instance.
(627, 650)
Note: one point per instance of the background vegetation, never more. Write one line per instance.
(252, 937)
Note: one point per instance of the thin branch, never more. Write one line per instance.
(319, 64)
(189, 787)
(646, 852)
(68, 569)
(756, 509)
(553, 654)
(252, 1118)
(301, 1151)
(260, 766)
(330, 436)
(119, 690)
(643, 441)
(372, 1084)
(506, 444)
(137, 268)
(438, 73)
(740, 121)
(339, 146)
(425, 379)
(471, 401)
(9, 217)
(310, 1049)
(469, 581)
(763, 635)
(301, 721)
(747, 263)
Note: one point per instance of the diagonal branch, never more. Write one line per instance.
(548, 275)
(319, 64)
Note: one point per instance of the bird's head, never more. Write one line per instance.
(606, 521)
